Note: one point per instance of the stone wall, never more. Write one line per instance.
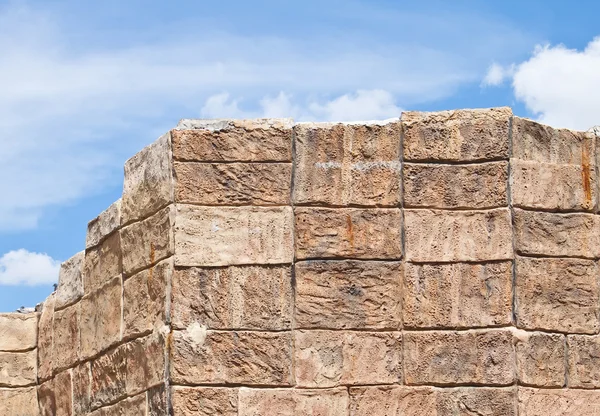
(438, 264)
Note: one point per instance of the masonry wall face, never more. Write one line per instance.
(438, 264)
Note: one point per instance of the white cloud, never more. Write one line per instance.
(362, 105)
(497, 74)
(22, 267)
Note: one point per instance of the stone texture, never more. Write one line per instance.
(102, 263)
(224, 236)
(70, 281)
(65, 347)
(458, 295)
(474, 186)
(204, 401)
(250, 358)
(149, 241)
(348, 295)
(540, 359)
(145, 363)
(334, 358)
(109, 377)
(46, 398)
(246, 297)
(347, 164)
(233, 183)
(477, 401)
(132, 406)
(45, 338)
(584, 361)
(443, 236)
(348, 232)
(290, 402)
(81, 388)
(460, 135)
(104, 224)
(18, 369)
(557, 295)
(261, 140)
(158, 405)
(552, 234)
(554, 402)
(148, 183)
(19, 402)
(63, 391)
(454, 358)
(18, 332)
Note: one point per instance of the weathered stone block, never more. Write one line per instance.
(558, 402)
(438, 236)
(18, 331)
(81, 389)
(204, 401)
(70, 281)
(63, 391)
(467, 401)
(348, 232)
(540, 359)
(262, 140)
(145, 363)
(46, 398)
(158, 405)
(584, 361)
(149, 241)
(455, 186)
(348, 294)
(25, 400)
(342, 164)
(224, 236)
(102, 263)
(65, 348)
(18, 369)
(251, 358)
(333, 358)
(233, 183)
(451, 358)
(45, 338)
(104, 224)
(458, 295)
(557, 295)
(552, 234)
(133, 406)
(460, 135)
(246, 297)
(148, 183)
(109, 377)
(293, 402)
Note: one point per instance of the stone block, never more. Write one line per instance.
(45, 338)
(237, 297)
(348, 232)
(103, 225)
(18, 331)
(133, 406)
(460, 135)
(261, 140)
(293, 402)
(18, 369)
(334, 358)
(81, 389)
(145, 363)
(540, 359)
(558, 402)
(109, 377)
(225, 236)
(148, 183)
(455, 358)
(65, 348)
(102, 263)
(233, 183)
(46, 398)
(347, 164)
(474, 186)
(584, 361)
(467, 401)
(253, 358)
(204, 401)
(552, 234)
(25, 400)
(70, 281)
(147, 242)
(348, 295)
(458, 295)
(63, 391)
(158, 405)
(557, 294)
(444, 236)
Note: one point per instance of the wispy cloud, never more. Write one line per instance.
(22, 267)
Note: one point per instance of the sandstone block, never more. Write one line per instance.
(45, 338)
(540, 359)
(558, 402)
(247, 297)
(18, 369)
(557, 295)
(233, 183)
(81, 389)
(104, 224)
(109, 377)
(552, 234)
(131, 406)
(455, 186)
(65, 348)
(25, 400)
(158, 405)
(148, 183)
(204, 401)
(63, 391)
(438, 236)
(224, 236)
(70, 281)
(18, 331)
(458, 295)
(348, 294)
(261, 140)
(348, 232)
(333, 358)
(293, 402)
(584, 361)
(102, 263)
(477, 401)
(251, 358)
(46, 398)
(149, 241)
(460, 135)
(450, 358)
(342, 164)
(145, 363)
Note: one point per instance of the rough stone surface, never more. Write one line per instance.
(225, 236)
(233, 183)
(459, 295)
(343, 164)
(205, 401)
(18, 332)
(102, 263)
(450, 358)
(442, 236)
(103, 225)
(109, 377)
(70, 281)
(18, 368)
(158, 401)
(45, 338)
(63, 391)
(540, 359)
(557, 295)
(460, 135)
(348, 232)
(145, 363)
(584, 361)
(474, 186)
(133, 406)
(555, 402)
(81, 389)
(552, 234)
(334, 358)
(237, 297)
(348, 295)
(19, 402)
(65, 347)
(293, 402)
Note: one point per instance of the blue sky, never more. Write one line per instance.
(85, 85)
